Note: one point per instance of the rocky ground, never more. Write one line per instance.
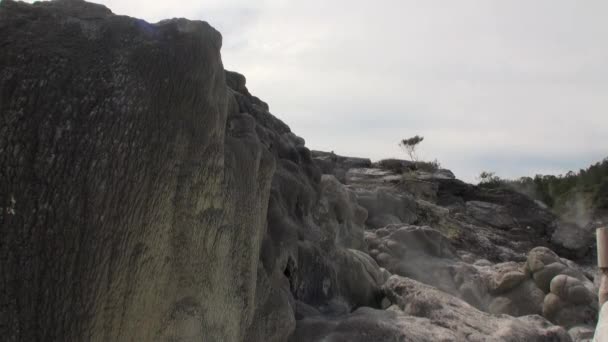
(147, 195)
(454, 251)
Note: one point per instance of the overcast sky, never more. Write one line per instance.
(518, 87)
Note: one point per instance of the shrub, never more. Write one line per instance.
(409, 145)
(431, 166)
(489, 179)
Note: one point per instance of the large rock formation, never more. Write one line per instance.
(474, 243)
(147, 195)
(133, 209)
(422, 313)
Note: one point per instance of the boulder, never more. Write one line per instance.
(525, 299)
(545, 275)
(423, 313)
(463, 320)
(504, 277)
(539, 257)
(348, 276)
(571, 290)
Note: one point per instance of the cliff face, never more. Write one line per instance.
(131, 210)
(146, 195)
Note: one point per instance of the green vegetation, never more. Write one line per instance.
(414, 164)
(585, 190)
(430, 166)
(489, 180)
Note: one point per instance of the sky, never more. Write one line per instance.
(516, 87)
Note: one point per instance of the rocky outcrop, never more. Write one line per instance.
(488, 213)
(422, 313)
(147, 195)
(331, 163)
(454, 232)
(137, 196)
(464, 321)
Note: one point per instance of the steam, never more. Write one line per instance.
(578, 209)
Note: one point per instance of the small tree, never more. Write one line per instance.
(409, 145)
(489, 179)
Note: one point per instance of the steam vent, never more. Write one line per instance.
(147, 195)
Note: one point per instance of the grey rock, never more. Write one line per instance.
(304, 310)
(539, 257)
(457, 322)
(524, 299)
(338, 211)
(505, 277)
(423, 240)
(463, 320)
(276, 311)
(571, 239)
(582, 333)
(384, 207)
(385, 303)
(333, 164)
(144, 179)
(490, 213)
(483, 262)
(571, 290)
(502, 305)
(367, 324)
(561, 312)
(570, 316)
(137, 212)
(420, 187)
(544, 276)
(441, 174)
(347, 275)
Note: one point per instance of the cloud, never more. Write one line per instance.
(517, 87)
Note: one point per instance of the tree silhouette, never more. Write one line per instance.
(409, 145)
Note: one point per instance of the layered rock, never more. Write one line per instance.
(150, 196)
(469, 242)
(137, 212)
(147, 195)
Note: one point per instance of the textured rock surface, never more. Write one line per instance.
(467, 323)
(147, 195)
(151, 195)
(489, 213)
(138, 212)
(573, 240)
